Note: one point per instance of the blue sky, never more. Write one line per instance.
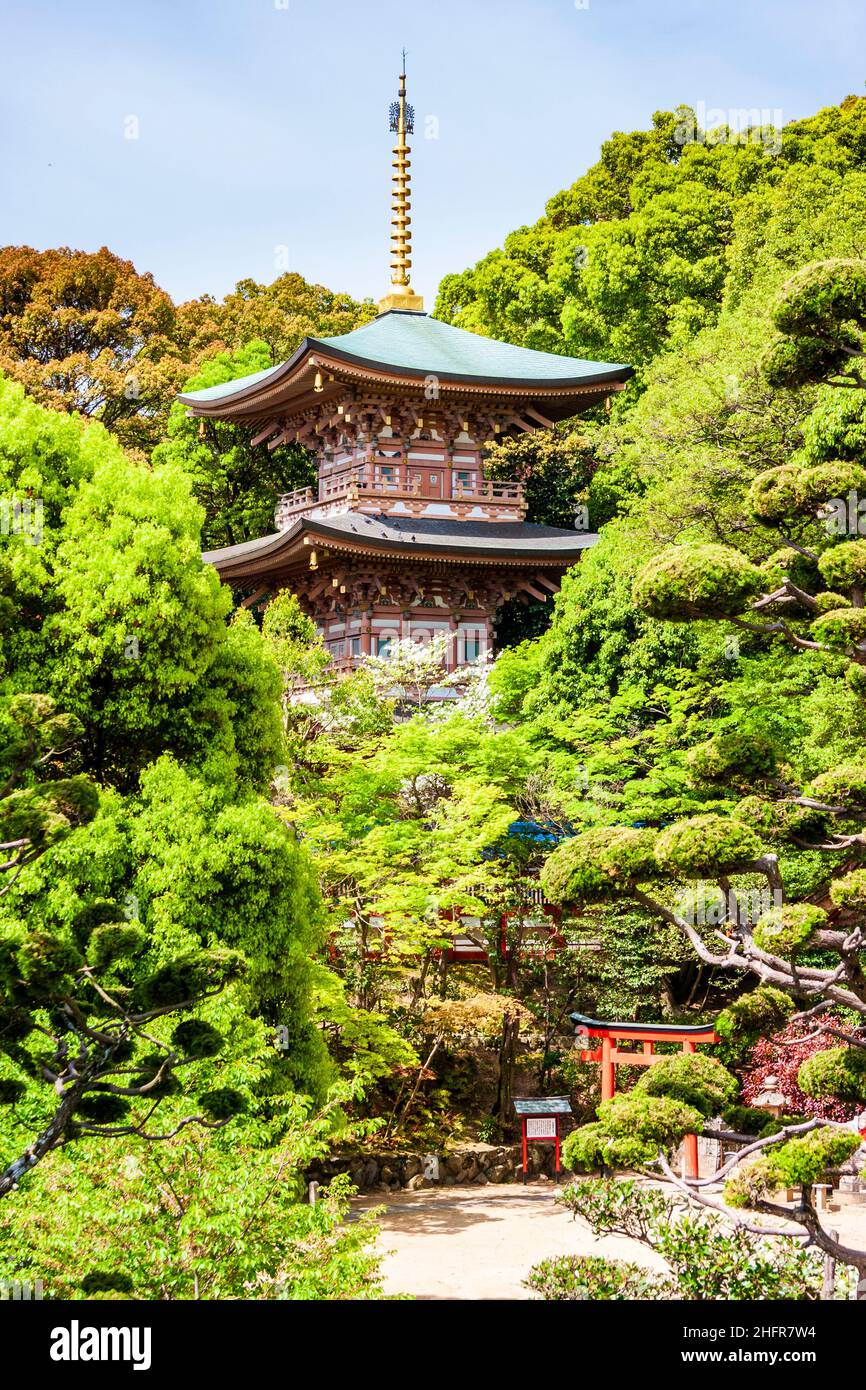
(262, 124)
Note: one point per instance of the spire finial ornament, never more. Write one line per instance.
(402, 122)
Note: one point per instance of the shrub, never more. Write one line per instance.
(747, 1119)
(591, 1277)
(741, 756)
(834, 288)
(631, 1130)
(46, 963)
(622, 1205)
(222, 1103)
(193, 1038)
(599, 863)
(774, 494)
(802, 1160)
(706, 1259)
(106, 1281)
(708, 844)
(693, 581)
(844, 566)
(710, 1261)
(584, 1147)
(694, 1079)
(850, 891)
(841, 628)
(844, 786)
(113, 941)
(783, 930)
(762, 1010)
(828, 600)
(838, 1073)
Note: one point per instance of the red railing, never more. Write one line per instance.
(405, 481)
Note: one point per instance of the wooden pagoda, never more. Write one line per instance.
(404, 535)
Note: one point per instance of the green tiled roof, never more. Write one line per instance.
(226, 388)
(421, 344)
(416, 344)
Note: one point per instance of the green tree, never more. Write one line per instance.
(192, 1219)
(115, 613)
(280, 315)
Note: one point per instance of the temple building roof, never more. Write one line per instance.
(398, 415)
(516, 542)
(404, 344)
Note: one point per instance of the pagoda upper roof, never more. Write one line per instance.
(402, 344)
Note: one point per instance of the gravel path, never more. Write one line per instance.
(477, 1243)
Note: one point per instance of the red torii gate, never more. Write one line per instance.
(647, 1034)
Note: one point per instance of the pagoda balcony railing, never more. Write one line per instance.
(404, 483)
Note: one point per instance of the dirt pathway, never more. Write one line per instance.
(476, 1243)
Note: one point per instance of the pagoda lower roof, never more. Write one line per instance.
(404, 346)
(519, 542)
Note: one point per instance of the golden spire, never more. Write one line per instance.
(402, 122)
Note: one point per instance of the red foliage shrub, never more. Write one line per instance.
(781, 1056)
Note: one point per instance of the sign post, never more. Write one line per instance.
(540, 1119)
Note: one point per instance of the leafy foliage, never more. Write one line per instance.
(568, 1277)
(705, 1258)
(195, 1220)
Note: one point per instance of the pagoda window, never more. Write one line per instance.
(383, 646)
(472, 644)
(354, 646)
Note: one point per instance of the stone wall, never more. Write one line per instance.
(464, 1163)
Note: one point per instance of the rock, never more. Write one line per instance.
(481, 1179)
(453, 1163)
(411, 1166)
(417, 1182)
